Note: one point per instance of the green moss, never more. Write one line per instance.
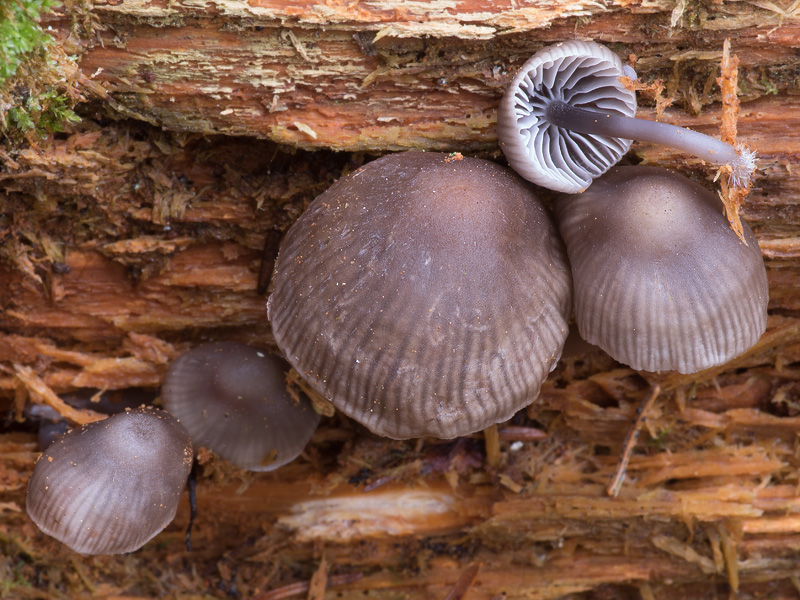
(38, 81)
(20, 33)
(43, 114)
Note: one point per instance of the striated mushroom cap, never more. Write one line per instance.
(232, 398)
(110, 486)
(661, 281)
(423, 295)
(582, 74)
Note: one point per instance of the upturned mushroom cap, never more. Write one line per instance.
(232, 398)
(581, 74)
(110, 486)
(423, 295)
(567, 117)
(661, 282)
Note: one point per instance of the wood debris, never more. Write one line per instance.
(733, 193)
(630, 441)
(40, 392)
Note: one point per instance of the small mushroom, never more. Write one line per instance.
(110, 486)
(423, 294)
(661, 282)
(232, 398)
(566, 118)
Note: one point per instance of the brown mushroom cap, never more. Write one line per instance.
(110, 486)
(423, 295)
(661, 281)
(232, 398)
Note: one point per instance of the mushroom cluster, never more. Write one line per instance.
(406, 293)
(661, 281)
(110, 486)
(429, 295)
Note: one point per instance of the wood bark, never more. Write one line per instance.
(211, 125)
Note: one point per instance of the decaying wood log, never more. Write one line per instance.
(141, 233)
(391, 75)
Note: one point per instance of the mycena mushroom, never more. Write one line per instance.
(110, 486)
(423, 294)
(232, 398)
(566, 118)
(661, 281)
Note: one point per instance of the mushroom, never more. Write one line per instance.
(661, 282)
(566, 118)
(424, 294)
(110, 486)
(232, 398)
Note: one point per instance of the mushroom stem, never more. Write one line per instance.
(739, 159)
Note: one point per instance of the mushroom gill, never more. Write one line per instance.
(566, 118)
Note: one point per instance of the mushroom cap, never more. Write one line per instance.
(583, 74)
(232, 398)
(110, 486)
(423, 295)
(661, 281)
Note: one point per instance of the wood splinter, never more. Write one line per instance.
(733, 191)
(630, 441)
(464, 582)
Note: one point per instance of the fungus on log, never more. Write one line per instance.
(126, 242)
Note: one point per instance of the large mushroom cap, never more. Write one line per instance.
(110, 486)
(661, 281)
(423, 295)
(232, 398)
(582, 74)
